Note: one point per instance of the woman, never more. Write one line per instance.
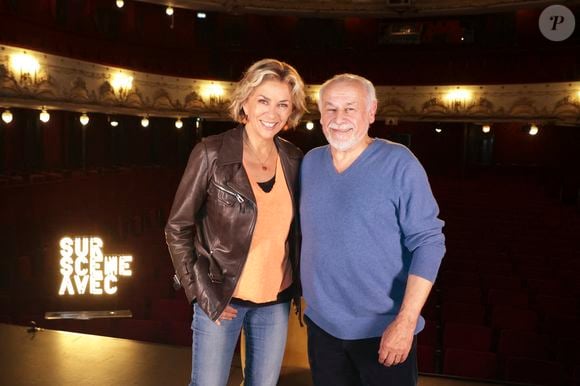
(232, 231)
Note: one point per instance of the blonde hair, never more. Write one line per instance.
(268, 69)
(367, 84)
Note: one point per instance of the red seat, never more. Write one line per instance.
(461, 294)
(490, 281)
(454, 279)
(504, 317)
(426, 358)
(467, 337)
(534, 371)
(473, 364)
(505, 297)
(463, 313)
(526, 345)
(428, 336)
(547, 304)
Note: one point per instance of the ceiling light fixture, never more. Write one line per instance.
(178, 123)
(84, 119)
(44, 116)
(7, 116)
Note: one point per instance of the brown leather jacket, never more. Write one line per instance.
(213, 216)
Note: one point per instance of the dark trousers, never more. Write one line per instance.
(337, 362)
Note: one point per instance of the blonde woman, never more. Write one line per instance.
(232, 232)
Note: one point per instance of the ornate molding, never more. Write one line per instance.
(68, 84)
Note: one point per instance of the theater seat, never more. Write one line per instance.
(505, 317)
(426, 359)
(456, 312)
(527, 345)
(472, 364)
(534, 371)
(467, 337)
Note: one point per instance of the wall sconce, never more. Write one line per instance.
(25, 69)
(533, 129)
(213, 93)
(145, 121)
(7, 116)
(458, 99)
(486, 128)
(84, 119)
(44, 116)
(122, 84)
(178, 123)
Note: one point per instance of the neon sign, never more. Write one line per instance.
(84, 267)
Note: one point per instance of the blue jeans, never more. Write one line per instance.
(213, 346)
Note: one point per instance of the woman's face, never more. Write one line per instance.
(268, 108)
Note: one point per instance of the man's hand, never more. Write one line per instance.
(396, 341)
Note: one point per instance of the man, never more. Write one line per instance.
(371, 248)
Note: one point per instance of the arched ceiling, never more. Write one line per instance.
(375, 8)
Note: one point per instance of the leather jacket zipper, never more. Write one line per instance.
(237, 195)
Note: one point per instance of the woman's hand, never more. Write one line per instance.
(228, 314)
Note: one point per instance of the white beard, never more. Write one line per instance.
(343, 144)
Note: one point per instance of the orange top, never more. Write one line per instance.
(267, 270)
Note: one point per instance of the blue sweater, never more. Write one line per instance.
(363, 232)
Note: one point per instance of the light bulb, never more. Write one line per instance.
(486, 128)
(7, 116)
(84, 119)
(44, 116)
(309, 125)
(169, 10)
(179, 123)
(145, 122)
(114, 123)
(533, 130)
(438, 130)
(120, 3)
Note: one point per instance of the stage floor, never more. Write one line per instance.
(59, 358)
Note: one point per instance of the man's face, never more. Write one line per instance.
(346, 115)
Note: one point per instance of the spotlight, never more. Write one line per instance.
(44, 116)
(145, 121)
(84, 119)
(169, 10)
(178, 123)
(120, 3)
(7, 116)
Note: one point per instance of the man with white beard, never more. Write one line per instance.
(371, 245)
